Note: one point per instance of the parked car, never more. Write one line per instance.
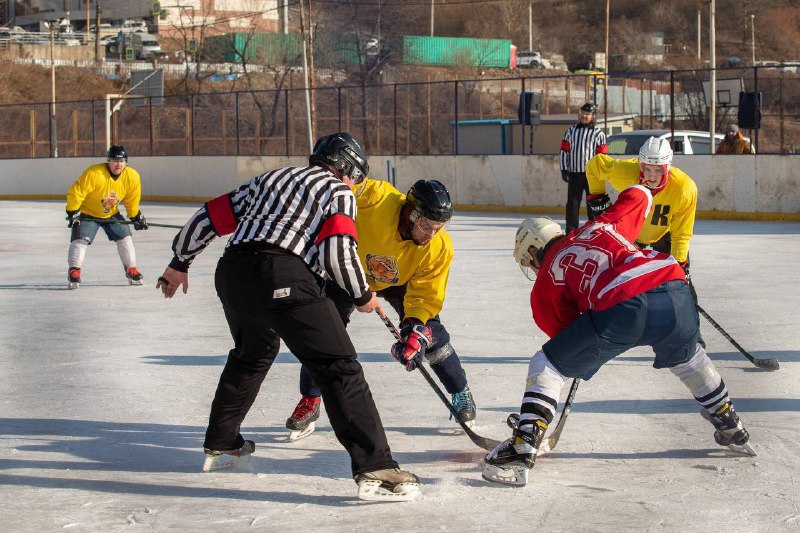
(685, 142)
(531, 60)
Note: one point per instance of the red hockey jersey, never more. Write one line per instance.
(597, 266)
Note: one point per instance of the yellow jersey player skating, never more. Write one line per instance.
(92, 204)
(406, 253)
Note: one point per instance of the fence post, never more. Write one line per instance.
(394, 111)
(94, 131)
(152, 126)
(455, 120)
(672, 105)
(756, 108)
(191, 122)
(236, 103)
(286, 118)
(339, 105)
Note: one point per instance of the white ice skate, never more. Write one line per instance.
(297, 434)
(224, 459)
(388, 485)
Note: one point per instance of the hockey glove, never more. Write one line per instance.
(72, 217)
(565, 176)
(139, 222)
(416, 339)
(596, 204)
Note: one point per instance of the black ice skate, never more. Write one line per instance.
(465, 406)
(388, 485)
(222, 459)
(133, 275)
(512, 460)
(730, 431)
(301, 423)
(74, 277)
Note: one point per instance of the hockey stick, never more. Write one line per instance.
(552, 440)
(769, 364)
(128, 222)
(484, 442)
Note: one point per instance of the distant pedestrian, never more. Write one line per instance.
(734, 142)
(581, 142)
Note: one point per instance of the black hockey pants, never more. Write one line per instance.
(267, 295)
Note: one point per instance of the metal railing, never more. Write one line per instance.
(419, 118)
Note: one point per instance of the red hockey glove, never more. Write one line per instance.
(416, 339)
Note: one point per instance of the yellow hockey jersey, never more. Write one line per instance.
(97, 194)
(389, 260)
(673, 207)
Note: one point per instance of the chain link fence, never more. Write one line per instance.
(418, 118)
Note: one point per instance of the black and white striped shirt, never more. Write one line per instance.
(581, 143)
(286, 208)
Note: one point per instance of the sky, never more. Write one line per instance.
(105, 393)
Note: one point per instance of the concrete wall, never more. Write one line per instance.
(761, 186)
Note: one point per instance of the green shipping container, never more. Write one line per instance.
(452, 51)
(275, 48)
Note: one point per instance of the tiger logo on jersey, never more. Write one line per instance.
(382, 268)
(109, 202)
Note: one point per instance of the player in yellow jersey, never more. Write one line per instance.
(92, 203)
(406, 253)
(669, 225)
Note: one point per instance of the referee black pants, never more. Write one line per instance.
(577, 187)
(269, 295)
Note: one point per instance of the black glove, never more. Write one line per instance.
(72, 217)
(416, 339)
(565, 176)
(139, 222)
(596, 204)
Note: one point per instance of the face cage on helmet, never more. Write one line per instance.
(427, 226)
(664, 176)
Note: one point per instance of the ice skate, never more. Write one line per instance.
(133, 275)
(74, 277)
(388, 485)
(465, 406)
(301, 423)
(224, 459)
(512, 460)
(730, 431)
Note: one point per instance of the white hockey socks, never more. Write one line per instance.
(126, 252)
(702, 379)
(77, 251)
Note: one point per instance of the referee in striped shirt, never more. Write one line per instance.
(290, 228)
(581, 142)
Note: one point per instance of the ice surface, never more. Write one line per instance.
(105, 393)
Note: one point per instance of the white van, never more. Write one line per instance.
(686, 141)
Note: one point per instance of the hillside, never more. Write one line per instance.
(574, 29)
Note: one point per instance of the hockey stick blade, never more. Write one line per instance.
(769, 364)
(483, 442)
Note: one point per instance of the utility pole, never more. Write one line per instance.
(699, 22)
(305, 76)
(753, 30)
(97, 12)
(530, 25)
(712, 65)
(432, 1)
(53, 124)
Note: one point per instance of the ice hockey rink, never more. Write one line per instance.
(106, 390)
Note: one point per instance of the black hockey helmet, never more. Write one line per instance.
(589, 108)
(430, 199)
(117, 152)
(344, 153)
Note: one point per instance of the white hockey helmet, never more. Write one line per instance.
(533, 235)
(656, 152)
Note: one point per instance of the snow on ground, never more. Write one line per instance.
(105, 393)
